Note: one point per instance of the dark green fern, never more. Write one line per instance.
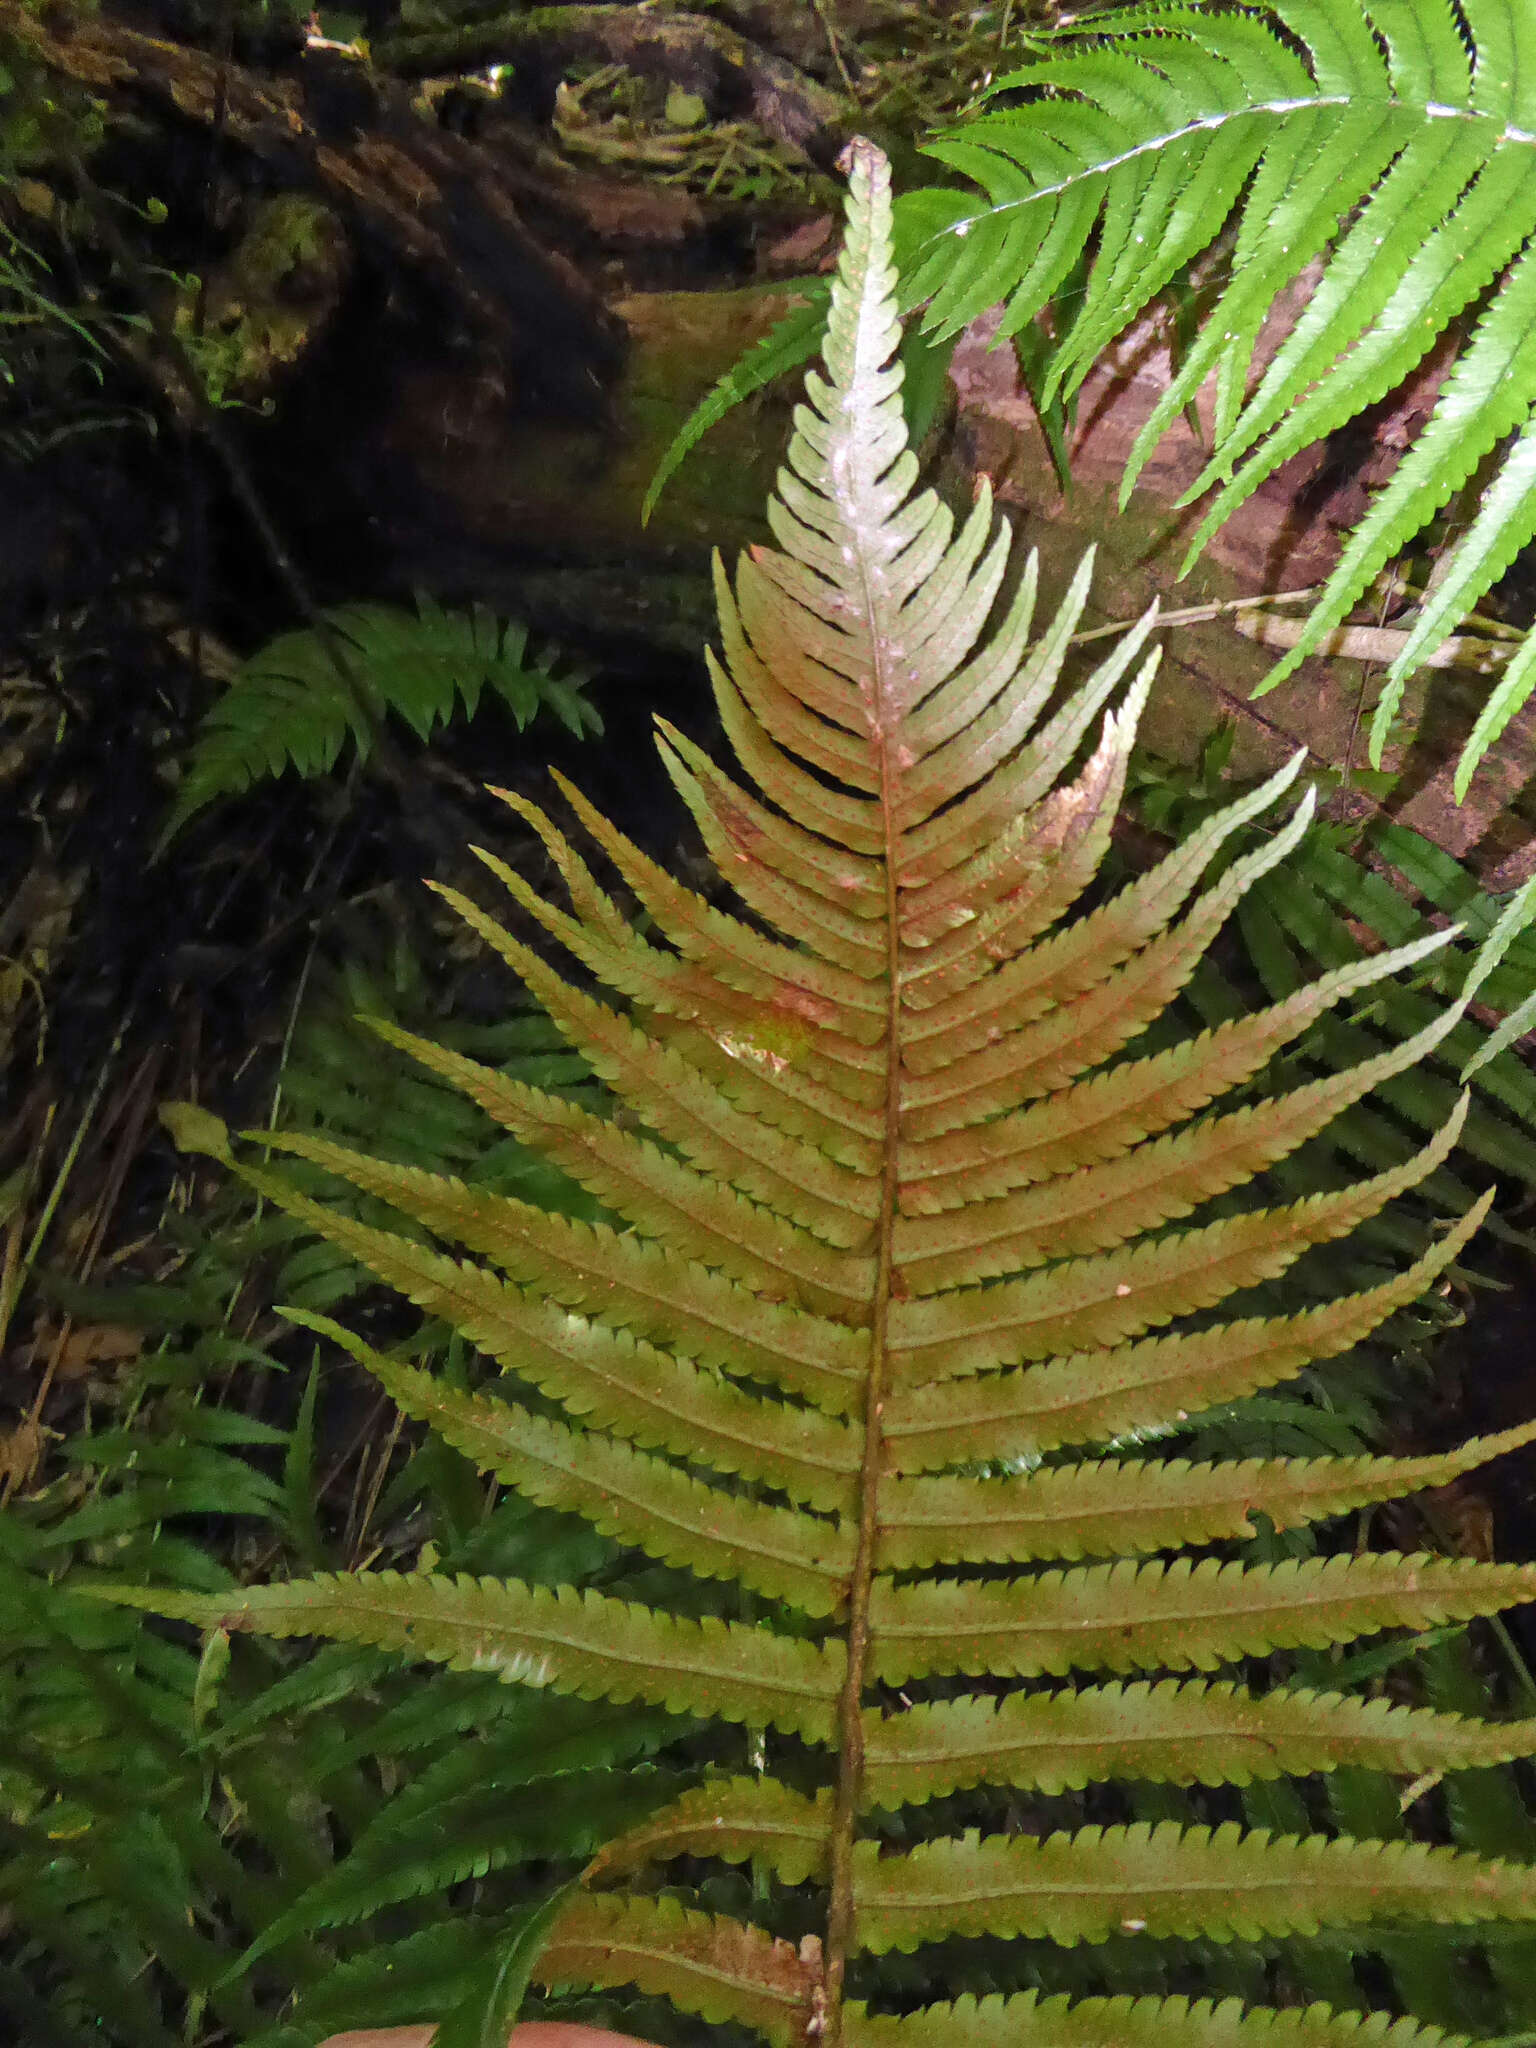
(226, 1841)
(290, 707)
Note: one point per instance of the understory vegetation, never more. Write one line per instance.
(526, 1309)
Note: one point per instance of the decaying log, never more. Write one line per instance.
(440, 205)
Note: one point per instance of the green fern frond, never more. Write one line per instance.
(1391, 143)
(167, 1810)
(900, 1200)
(787, 344)
(451, 1840)
(289, 707)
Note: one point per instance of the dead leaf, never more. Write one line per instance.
(96, 1344)
(20, 1449)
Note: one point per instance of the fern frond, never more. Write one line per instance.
(642, 1501)
(647, 1396)
(290, 707)
(718, 1968)
(1117, 1509)
(787, 344)
(737, 1820)
(587, 1644)
(1166, 1880)
(1183, 1616)
(897, 1195)
(1394, 144)
(465, 1837)
(1140, 1388)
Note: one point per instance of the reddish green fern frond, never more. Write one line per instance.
(784, 873)
(1093, 1208)
(896, 1201)
(1115, 1508)
(659, 1196)
(720, 1969)
(582, 1643)
(1181, 1616)
(1103, 1300)
(792, 983)
(1096, 1396)
(817, 1087)
(621, 1283)
(643, 1501)
(1099, 1116)
(736, 1819)
(1066, 1019)
(1037, 866)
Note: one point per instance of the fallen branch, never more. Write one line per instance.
(1381, 644)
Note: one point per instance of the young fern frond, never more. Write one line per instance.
(290, 707)
(898, 1192)
(1393, 143)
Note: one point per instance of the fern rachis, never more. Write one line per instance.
(905, 1194)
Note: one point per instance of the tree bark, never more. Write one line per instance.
(435, 201)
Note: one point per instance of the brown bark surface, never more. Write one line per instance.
(435, 200)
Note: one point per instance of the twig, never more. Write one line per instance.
(1384, 643)
(825, 18)
(1483, 652)
(16, 1274)
(1199, 614)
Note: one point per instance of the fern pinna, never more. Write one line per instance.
(890, 1241)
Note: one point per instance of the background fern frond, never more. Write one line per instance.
(219, 1828)
(787, 345)
(1391, 144)
(289, 707)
